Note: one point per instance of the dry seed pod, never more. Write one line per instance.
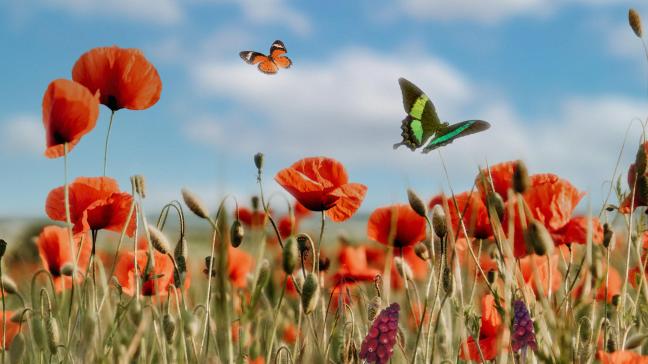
(168, 326)
(237, 233)
(310, 293)
(159, 240)
(439, 221)
(422, 251)
(53, 334)
(9, 285)
(635, 22)
(195, 204)
(258, 161)
(521, 181)
(416, 203)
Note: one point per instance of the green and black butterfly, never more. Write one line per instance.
(422, 122)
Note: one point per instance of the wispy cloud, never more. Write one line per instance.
(23, 133)
(481, 11)
(152, 11)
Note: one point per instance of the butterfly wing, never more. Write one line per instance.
(447, 134)
(251, 57)
(277, 53)
(422, 120)
(268, 67)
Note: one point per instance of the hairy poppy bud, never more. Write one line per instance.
(304, 243)
(53, 334)
(136, 312)
(168, 326)
(159, 240)
(3, 248)
(237, 233)
(422, 251)
(635, 22)
(67, 269)
(491, 276)
(610, 345)
(416, 203)
(521, 181)
(538, 237)
(191, 324)
(495, 200)
(17, 349)
(254, 201)
(439, 221)
(607, 235)
(310, 293)
(404, 270)
(194, 204)
(9, 285)
(258, 161)
(324, 263)
(290, 256)
(448, 281)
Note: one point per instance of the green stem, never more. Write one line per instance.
(105, 164)
(68, 221)
(276, 320)
(4, 317)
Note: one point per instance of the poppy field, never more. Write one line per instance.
(512, 270)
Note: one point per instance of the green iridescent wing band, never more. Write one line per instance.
(448, 134)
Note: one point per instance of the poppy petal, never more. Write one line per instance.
(351, 196)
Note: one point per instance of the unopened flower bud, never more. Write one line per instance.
(416, 203)
(237, 233)
(448, 281)
(310, 293)
(290, 255)
(258, 161)
(610, 345)
(304, 243)
(491, 276)
(53, 334)
(194, 204)
(159, 240)
(3, 248)
(254, 201)
(521, 181)
(422, 251)
(495, 200)
(607, 235)
(439, 221)
(67, 269)
(539, 238)
(9, 285)
(168, 326)
(635, 22)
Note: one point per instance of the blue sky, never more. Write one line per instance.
(559, 81)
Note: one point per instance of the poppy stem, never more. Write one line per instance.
(110, 123)
(4, 316)
(68, 221)
(319, 241)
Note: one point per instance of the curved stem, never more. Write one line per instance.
(105, 164)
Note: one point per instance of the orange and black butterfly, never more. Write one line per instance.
(271, 63)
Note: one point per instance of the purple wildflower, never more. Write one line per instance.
(378, 345)
(523, 335)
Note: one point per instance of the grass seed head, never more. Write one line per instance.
(139, 183)
(416, 203)
(635, 22)
(195, 204)
(53, 334)
(159, 240)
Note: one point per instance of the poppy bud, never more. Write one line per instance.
(17, 349)
(310, 293)
(67, 269)
(635, 22)
(237, 233)
(448, 281)
(491, 276)
(258, 161)
(439, 221)
(404, 270)
(374, 307)
(136, 312)
(585, 331)
(607, 235)
(195, 204)
(324, 263)
(3, 248)
(38, 330)
(495, 200)
(168, 326)
(615, 300)
(53, 334)
(538, 237)
(290, 256)
(159, 240)
(633, 342)
(304, 243)
(422, 251)
(191, 324)
(254, 201)
(610, 345)
(9, 285)
(416, 203)
(521, 181)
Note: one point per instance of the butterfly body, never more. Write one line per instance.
(268, 64)
(423, 123)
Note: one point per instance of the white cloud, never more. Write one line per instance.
(490, 11)
(23, 134)
(349, 107)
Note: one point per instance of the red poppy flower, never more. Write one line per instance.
(322, 184)
(409, 226)
(353, 266)
(239, 265)
(502, 179)
(473, 209)
(528, 263)
(489, 333)
(287, 225)
(614, 285)
(250, 218)
(54, 250)
(376, 258)
(70, 111)
(95, 203)
(157, 281)
(123, 77)
(622, 357)
(639, 186)
(551, 201)
(290, 334)
(12, 329)
(576, 231)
